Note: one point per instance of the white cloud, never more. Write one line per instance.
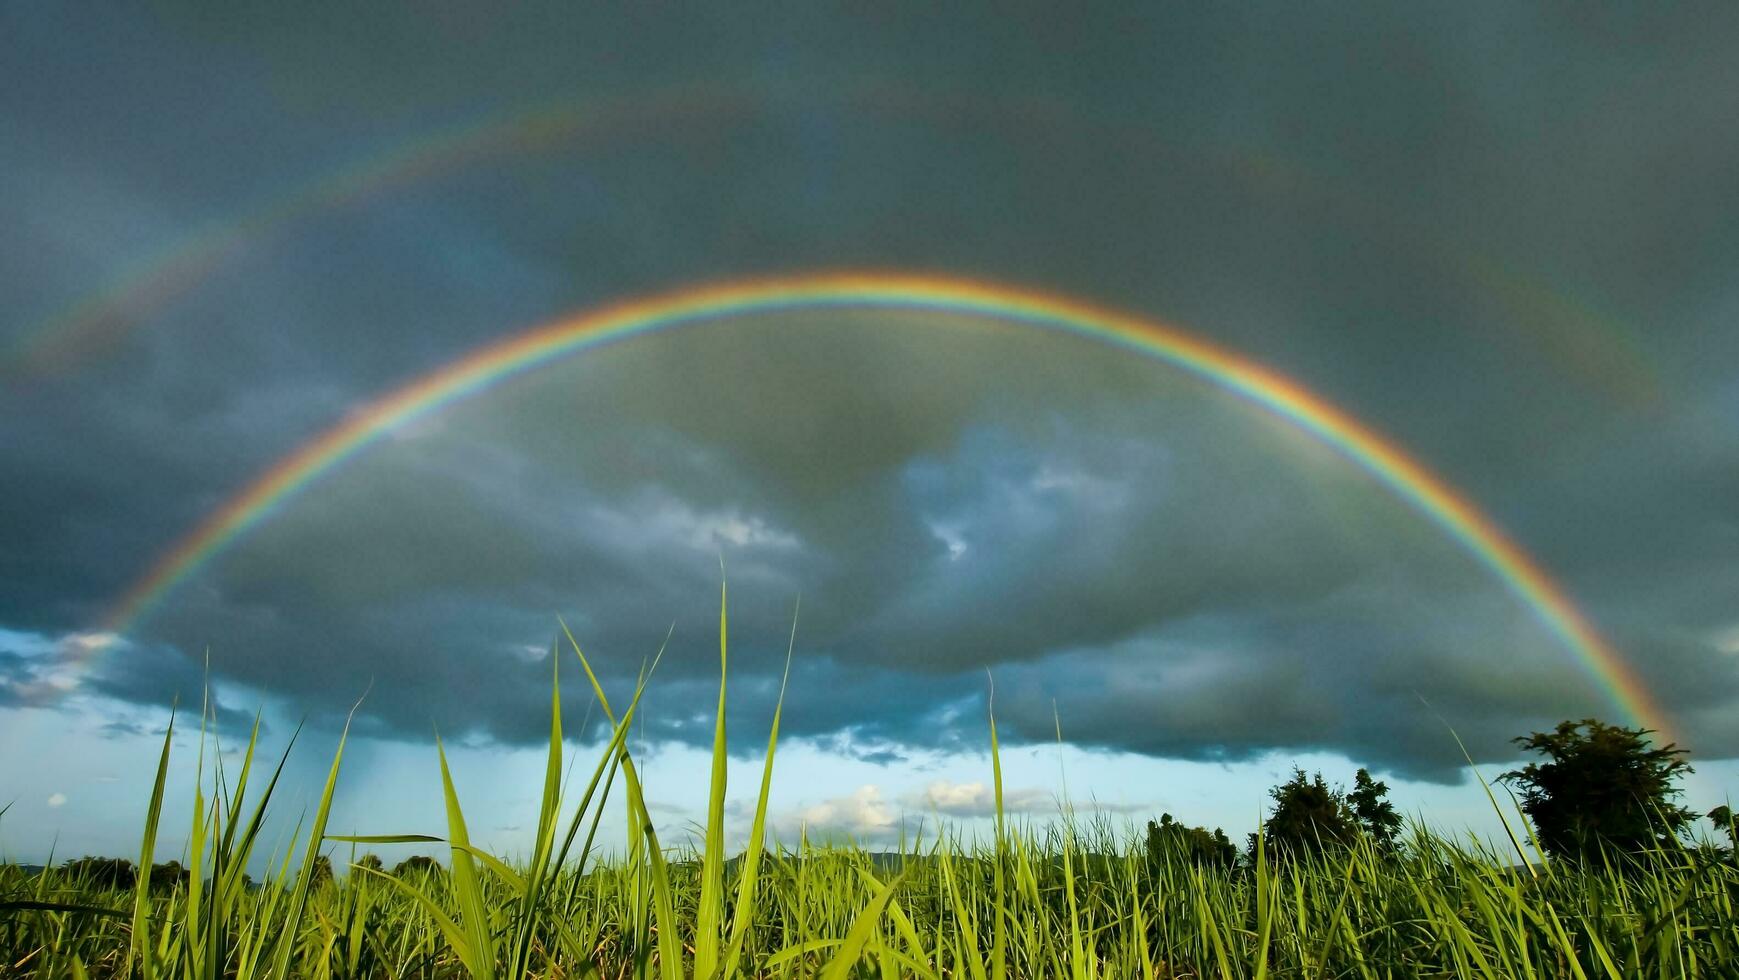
(1085, 488)
(88, 643)
(57, 799)
(675, 520)
(52, 664)
(951, 534)
(863, 815)
(659, 519)
(740, 531)
(977, 799)
(868, 815)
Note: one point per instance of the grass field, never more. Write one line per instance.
(1065, 900)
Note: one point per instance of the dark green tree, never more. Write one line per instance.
(168, 876)
(1376, 815)
(112, 874)
(1603, 785)
(1722, 818)
(321, 873)
(1170, 840)
(370, 862)
(416, 864)
(1308, 815)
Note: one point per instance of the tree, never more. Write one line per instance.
(416, 863)
(1376, 815)
(1171, 840)
(321, 873)
(108, 874)
(1722, 818)
(1603, 786)
(369, 862)
(1308, 815)
(168, 876)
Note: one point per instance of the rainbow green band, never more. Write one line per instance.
(1411, 481)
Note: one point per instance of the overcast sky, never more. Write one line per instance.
(1503, 237)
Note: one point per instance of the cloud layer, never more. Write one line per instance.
(1510, 258)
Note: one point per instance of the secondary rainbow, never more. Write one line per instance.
(1601, 348)
(158, 278)
(1383, 460)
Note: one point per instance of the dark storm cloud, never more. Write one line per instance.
(1497, 233)
(155, 676)
(17, 672)
(127, 729)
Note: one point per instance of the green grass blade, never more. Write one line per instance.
(458, 938)
(532, 891)
(141, 934)
(466, 886)
(32, 905)
(999, 929)
(862, 928)
(304, 879)
(663, 903)
(709, 918)
(640, 823)
(749, 875)
(386, 838)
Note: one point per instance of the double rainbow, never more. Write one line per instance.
(1388, 464)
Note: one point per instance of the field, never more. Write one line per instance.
(1062, 900)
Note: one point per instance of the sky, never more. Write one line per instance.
(1499, 237)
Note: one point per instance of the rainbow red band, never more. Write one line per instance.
(1389, 465)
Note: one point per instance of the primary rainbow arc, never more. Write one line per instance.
(1387, 463)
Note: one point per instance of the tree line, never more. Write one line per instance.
(1599, 787)
(120, 874)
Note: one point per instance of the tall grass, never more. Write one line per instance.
(1065, 899)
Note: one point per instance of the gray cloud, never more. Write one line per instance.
(158, 676)
(17, 674)
(1511, 258)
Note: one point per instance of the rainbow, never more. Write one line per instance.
(503, 360)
